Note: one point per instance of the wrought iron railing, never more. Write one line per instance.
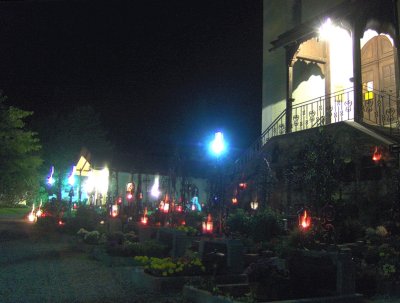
(379, 108)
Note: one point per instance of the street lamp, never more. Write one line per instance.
(218, 148)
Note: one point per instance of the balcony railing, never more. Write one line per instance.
(379, 109)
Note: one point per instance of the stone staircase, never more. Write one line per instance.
(236, 285)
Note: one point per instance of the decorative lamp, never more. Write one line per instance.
(114, 211)
(208, 225)
(254, 205)
(234, 200)
(243, 185)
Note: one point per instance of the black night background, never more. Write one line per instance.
(160, 73)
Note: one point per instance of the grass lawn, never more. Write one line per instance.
(14, 210)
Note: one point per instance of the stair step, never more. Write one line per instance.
(236, 289)
(231, 279)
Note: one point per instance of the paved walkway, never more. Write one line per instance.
(47, 268)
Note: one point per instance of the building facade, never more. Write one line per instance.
(329, 67)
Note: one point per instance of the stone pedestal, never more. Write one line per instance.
(345, 273)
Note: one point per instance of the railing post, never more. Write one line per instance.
(358, 114)
(290, 51)
(288, 121)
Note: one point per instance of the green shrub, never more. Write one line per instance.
(188, 230)
(131, 236)
(92, 237)
(194, 219)
(238, 223)
(151, 248)
(262, 226)
(47, 223)
(164, 267)
(85, 217)
(116, 238)
(82, 233)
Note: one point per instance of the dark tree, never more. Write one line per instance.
(19, 159)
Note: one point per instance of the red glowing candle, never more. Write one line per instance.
(208, 225)
(304, 220)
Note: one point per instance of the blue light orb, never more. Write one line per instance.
(218, 146)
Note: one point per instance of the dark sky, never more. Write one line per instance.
(159, 72)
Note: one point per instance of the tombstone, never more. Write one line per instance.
(235, 255)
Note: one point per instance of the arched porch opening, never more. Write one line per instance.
(379, 79)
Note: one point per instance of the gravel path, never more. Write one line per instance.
(48, 268)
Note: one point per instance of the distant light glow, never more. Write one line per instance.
(114, 211)
(50, 179)
(196, 204)
(71, 178)
(155, 191)
(32, 216)
(327, 30)
(218, 144)
(39, 212)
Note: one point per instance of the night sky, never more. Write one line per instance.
(159, 72)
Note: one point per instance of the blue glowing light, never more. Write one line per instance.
(50, 179)
(71, 178)
(196, 204)
(218, 146)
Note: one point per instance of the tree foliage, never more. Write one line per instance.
(19, 159)
(321, 159)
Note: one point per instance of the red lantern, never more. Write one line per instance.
(243, 185)
(208, 225)
(234, 200)
(178, 208)
(304, 219)
(165, 208)
(377, 155)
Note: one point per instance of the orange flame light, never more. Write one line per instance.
(144, 219)
(304, 220)
(32, 216)
(114, 211)
(208, 225)
(377, 155)
(234, 200)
